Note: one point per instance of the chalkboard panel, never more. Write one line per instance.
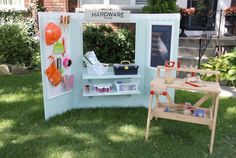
(160, 44)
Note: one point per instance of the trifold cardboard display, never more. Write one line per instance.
(66, 82)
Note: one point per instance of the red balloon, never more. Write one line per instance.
(52, 33)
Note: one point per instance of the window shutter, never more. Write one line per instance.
(143, 2)
(11, 2)
(120, 2)
(92, 2)
(233, 3)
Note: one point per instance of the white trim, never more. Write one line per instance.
(106, 2)
(105, 16)
(106, 5)
(21, 6)
(115, 7)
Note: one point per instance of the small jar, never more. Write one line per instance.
(86, 88)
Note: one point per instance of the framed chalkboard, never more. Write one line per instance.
(160, 44)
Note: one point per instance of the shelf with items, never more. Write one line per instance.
(111, 87)
(179, 115)
(108, 75)
(97, 77)
(113, 92)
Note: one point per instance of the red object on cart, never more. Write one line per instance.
(169, 63)
(192, 84)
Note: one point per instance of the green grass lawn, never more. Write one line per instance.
(103, 133)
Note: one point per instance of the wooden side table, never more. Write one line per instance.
(160, 109)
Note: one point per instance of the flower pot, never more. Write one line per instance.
(230, 21)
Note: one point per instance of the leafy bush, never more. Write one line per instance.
(16, 43)
(109, 46)
(21, 17)
(40, 6)
(226, 64)
(16, 46)
(161, 6)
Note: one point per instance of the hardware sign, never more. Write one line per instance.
(107, 16)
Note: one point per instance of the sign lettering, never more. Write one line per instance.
(107, 16)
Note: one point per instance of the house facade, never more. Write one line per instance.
(195, 24)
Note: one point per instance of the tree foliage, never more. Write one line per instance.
(110, 46)
(16, 46)
(161, 6)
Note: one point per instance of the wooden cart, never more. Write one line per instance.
(159, 87)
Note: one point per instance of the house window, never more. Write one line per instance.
(92, 2)
(12, 4)
(128, 2)
(120, 2)
(142, 2)
(205, 11)
(114, 2)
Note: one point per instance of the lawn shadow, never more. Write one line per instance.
(103, 132)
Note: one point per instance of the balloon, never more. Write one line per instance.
(52, 33)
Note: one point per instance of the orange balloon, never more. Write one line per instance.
(52, 33)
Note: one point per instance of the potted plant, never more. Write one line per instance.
(185, 13)
(230, 20)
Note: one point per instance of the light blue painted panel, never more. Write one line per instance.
(75, 98)
(162, 19)
(109, 101)
(62, 101)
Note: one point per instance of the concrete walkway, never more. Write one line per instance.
(228, 91)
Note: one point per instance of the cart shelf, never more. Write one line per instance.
(206, 120)
(108, 75)
(114, 92)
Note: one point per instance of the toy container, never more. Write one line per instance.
(97, 70)
(102, 88)
(125, 69)
(128, 85)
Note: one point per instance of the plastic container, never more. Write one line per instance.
(129, 85)
(97, 70)
(125, 69)
(68, 81)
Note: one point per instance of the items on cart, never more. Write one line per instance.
(52, 33)
(168, 76)
(185, 108)
(191, 78)
(58, 48)
(103, 88)
(68, 81)
(126, 85)
(65, 21)
(94, 67)
(59, 63)
(87, 88)
(53, 74)
(199, 113)
(125, 68)
(67, 62)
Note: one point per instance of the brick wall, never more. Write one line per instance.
(56, 5)
(26, 2)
